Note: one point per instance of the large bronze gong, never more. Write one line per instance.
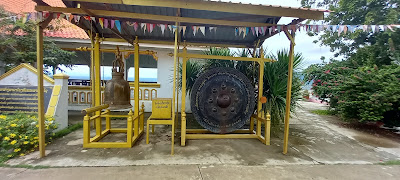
(222, 100)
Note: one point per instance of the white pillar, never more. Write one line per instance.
(61, 110)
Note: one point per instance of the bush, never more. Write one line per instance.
(19, 133)
(371, 94)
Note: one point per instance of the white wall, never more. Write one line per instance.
(23, 77)
(165, 73)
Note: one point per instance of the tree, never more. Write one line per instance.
(385, 45)
(364, 86)
(18, 45)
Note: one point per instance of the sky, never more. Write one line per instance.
(304, 44)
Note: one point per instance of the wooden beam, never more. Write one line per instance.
(152, 17)
(46, 22)
(172, 43)
(264, 10)
(203, 56)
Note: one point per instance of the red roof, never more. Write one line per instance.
(68, 29)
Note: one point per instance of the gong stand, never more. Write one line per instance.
(259, 117)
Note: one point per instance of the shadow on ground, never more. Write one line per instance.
(314, 139)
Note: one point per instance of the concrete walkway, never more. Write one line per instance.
(320, 148)
(219, 172)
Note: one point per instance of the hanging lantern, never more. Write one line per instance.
(117, 92)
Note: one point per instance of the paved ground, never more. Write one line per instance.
(319, 147)
(202, 172)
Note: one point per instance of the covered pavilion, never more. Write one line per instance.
(222, 18)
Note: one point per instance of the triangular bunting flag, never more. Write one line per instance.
(101, 22)
(162, 26)
(118, 24)
(169, 28)
(112, 23)
(279, 28)
(345, 29)
(194, 30)
(174, 28)
(203, 30)
(77, 18)
(39, 15)
(184, 30)
(142, 25)
(106, 23)
(390, 27)
(135, 26)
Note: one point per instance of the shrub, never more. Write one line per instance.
(371, 94)
(19, 133)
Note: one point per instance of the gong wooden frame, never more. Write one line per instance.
(258, 117)
(222, 7)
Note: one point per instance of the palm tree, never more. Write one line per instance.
(275, 84)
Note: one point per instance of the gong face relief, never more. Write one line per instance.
(222, 100)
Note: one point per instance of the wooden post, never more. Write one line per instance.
(260, 91)
(174, 87)
(136, 64)
(92, 71)
(288, 92)
(40, 88)
(129, 128)
(97, 82)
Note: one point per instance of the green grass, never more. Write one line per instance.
(392, 162)
(67, 130)
(324, 112)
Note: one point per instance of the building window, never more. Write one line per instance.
(74, 97)
(153, 93)
(146, 94)
(89, 97)
(82, 97)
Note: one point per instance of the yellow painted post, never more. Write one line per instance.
(268, 129)
(86, 130)
(135, 125)
(183, 129)
(108, 122)
(129, 132)
(136, 64)
(97, 82)
(251, 124)
(260, 91)
(40, 88)
(174, 86)
(177, 98)
(183, 104)
(141, 123)
(92, 71)
(288, 95)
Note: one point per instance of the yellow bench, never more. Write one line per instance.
(161, 113)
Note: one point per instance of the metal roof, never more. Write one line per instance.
(222, 35)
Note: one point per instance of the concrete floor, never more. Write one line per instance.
(207, 172)
(314, 140)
